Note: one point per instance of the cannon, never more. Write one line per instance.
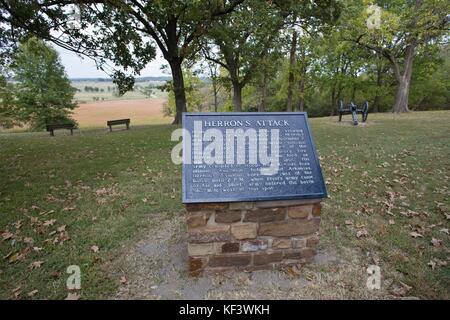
(353, 109)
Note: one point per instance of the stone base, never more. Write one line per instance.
(251, 235)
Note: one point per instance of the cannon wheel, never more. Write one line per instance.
(365, 111)
(355, 118)
(354, 110)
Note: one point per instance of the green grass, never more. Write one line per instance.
(105, 188)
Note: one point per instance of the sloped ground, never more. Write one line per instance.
(110, 203)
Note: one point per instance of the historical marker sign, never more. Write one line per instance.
(231, 157)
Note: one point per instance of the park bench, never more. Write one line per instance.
(111, 123)
(353, 109)
(55, 126)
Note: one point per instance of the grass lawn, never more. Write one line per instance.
(80, 200)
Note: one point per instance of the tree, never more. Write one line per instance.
(292, 62)
(43, 93)
(403, 27)
(120, 31)
(337, 65)
(244, 37)
(194, 99)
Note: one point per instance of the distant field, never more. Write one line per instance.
(106, 91)
(142, 111)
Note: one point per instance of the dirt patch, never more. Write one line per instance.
(156, 268)
(143, 111)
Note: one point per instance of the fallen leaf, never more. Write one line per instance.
(432, 264)
(72, 296)
(444, 230)
(441, 263)
(28, 240)
(32, 293)
(362, 233)
(95, 248)
(123, 280)
(61, 228)
(7, 235)
(17, 292)
(36, 265)
(16, 257)
(400, 290)
(49, 222)
(436, 242)
(18, 224)
(415, 235)
(391, 222)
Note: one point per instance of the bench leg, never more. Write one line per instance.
(110, 129)
(71, 132)
(128, 126)
(52, 133)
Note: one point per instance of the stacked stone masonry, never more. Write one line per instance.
(251, 235)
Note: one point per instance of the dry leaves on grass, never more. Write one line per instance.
(362, 233)
(415, 235)
(103, 194)
(32, 293)
(7, 235)
(436, 242)
(49, 222)
(36, 265)
(400, 289)
(95, 249)
(17, 291)
(72, 296)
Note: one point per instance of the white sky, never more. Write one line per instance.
(77, 67)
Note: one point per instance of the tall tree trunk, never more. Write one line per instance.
(292, 55)
(376, 103)
(237, 96)
(178, 90)
(402, 96)
(377, 98)
(333, 99)
(301, 85)
(263, 88)
(404, 80)
(338, 98)
(301, 99)
(215, 92)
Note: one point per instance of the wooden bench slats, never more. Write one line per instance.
(55, 126)
(111, 123)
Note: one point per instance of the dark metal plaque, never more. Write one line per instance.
(230, 157)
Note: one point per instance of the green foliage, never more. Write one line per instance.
(43, 93)
(9, 114)
(113, 190)
(194, 98)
